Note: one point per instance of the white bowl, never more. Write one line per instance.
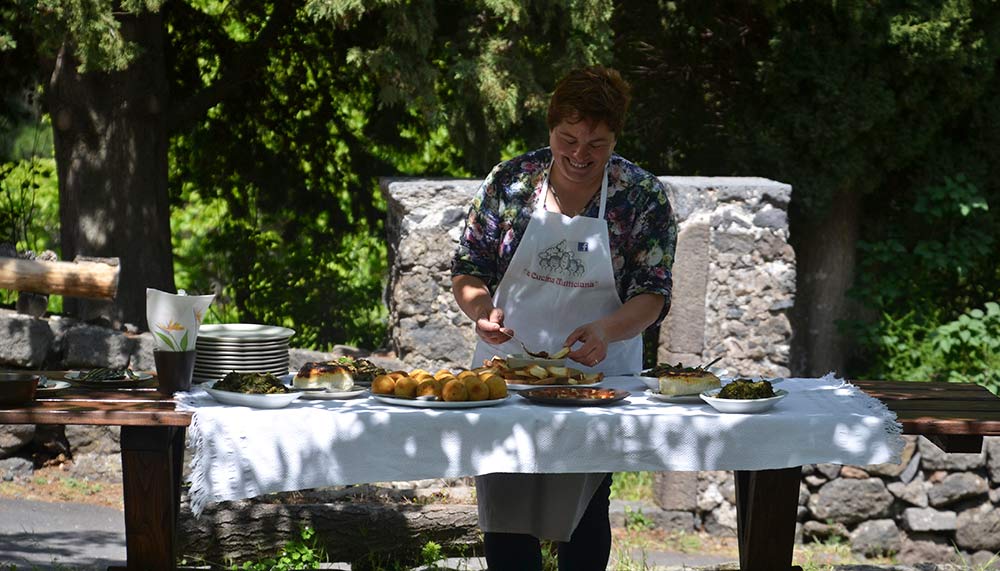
(742, 406)
(276, 400)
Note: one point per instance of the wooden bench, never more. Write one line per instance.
(152, 450)
(953, 416)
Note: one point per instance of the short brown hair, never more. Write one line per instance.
(593, 93)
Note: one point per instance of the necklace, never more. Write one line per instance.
(573, 214)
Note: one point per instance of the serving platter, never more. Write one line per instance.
(423, 403)
(548, 395)
(674, 399)
(742, 406)
(243, 332)
(49, 386)
(331, 395)
(271, 401)
(75, 378)
(524, 387)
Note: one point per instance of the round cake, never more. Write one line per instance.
(687, 381)
(329, 376)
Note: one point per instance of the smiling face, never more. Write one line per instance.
(579, 152)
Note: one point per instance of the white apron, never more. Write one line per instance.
(560, 277)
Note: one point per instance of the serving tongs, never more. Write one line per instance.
(538, 355)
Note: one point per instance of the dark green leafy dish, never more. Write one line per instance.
(108, 374)
(363, 371)
(251, 383)
(746, 389)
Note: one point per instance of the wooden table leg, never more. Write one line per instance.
(151, 464)
(766, 505)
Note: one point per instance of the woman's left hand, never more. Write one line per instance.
(594, 348)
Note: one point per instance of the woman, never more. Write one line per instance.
(569, 245)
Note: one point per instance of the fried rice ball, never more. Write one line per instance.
(406, 387)
(454, 390)
(477, 389)
(467, 374)
(497, 386)
(383, 385)
(427, 388)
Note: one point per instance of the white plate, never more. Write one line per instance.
(75, 376)
(743, 406)
(675, 399)
(212, 370)
(522, 387)
(652, 383)
(242, 351)
(218, 362)
(243, 332)
(278, 400)
(332, 395)
(438, 403)
(51, 386)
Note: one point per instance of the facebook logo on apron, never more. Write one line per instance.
(582, 247)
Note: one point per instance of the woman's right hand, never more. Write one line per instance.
(490, 327)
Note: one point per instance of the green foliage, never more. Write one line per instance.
(430, 554)
(929, 273)
(635, 520)
(632, 486)
(302, 553)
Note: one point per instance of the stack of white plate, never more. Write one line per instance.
(240, 347)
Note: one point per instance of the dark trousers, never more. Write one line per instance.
(588, 549)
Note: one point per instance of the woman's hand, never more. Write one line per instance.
(489, 327)
(594, 339)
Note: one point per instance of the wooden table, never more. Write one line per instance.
(953, 416)
(152, 443)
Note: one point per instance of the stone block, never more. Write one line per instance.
(935, 459)
(13, 437)
(94, 439)
(985, 561)
(853, 472)
(93, 346)
(820, 532)
(991, 445)
(914, 493)
(876, 537)
(15, 468)
(771, 218)
(851, 501)
(829, 471)
(894, 470)
(928, 519)
(25, 342)
(683, 330)
(710, 498)
(956, 487)
(979, 529)
(925, 548)
(676, 491)
(721, 521)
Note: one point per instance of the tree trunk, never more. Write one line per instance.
(825, 250)
(111, 154)
(362, 533)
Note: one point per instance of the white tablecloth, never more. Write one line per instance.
(241, 452)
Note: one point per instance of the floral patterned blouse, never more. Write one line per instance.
(641, 225)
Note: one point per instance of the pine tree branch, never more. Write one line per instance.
(240, 67)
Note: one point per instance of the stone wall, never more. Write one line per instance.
(933, 507)
(734, 274)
